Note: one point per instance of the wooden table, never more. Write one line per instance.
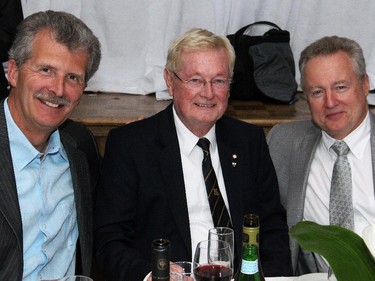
(101, 112)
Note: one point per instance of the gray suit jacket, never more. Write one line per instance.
(84, 165)
(292, 148)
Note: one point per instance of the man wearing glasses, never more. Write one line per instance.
(153, 183)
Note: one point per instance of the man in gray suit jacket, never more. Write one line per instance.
(334, 79)
(49, 164)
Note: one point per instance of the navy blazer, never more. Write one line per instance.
(143, 195)
(84, 163)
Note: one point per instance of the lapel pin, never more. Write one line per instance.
(234, 156)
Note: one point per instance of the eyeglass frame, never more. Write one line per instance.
(202, 82)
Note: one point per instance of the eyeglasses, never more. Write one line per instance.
(217, 84)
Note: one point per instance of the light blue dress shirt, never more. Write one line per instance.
(48, 211)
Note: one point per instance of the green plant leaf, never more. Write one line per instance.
(345, 251)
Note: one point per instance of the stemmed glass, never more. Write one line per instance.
(223, 234)
(214, 261)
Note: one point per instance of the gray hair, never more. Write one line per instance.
(66, 29)
(331, 45)
(197, 39)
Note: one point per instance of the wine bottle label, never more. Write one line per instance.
(160, 259)
(249, 267)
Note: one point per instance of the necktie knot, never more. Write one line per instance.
(204, 144)
(341, 148)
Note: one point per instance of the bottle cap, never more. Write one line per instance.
(251, 220)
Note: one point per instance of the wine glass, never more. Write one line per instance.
(214, 261)
(223, 234)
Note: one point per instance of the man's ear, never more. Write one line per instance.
(168, 80)
(12, 72)
(367, 85)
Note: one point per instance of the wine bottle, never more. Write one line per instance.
(249, 266)
(251, 229)
(160, 259)
(251, 238)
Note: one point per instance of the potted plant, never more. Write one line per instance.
(350, 257)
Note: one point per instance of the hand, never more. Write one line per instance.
(186, 270)
(177, 269)
(172, 268)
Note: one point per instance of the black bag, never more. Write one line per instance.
(264, 68)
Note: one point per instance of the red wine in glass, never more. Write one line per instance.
(212, 272)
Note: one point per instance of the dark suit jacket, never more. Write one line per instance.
(84, 165)
(292, 147)
(10, 16)
(143, 195)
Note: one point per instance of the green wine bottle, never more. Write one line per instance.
(249, 265)
(251, 229)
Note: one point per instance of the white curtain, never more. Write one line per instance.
(135, 34)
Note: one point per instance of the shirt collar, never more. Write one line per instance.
(23, 152)
(356, 140)
(187, 139)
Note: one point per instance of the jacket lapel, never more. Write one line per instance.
(9, 206)
(233, 170)
(301, 161)
(304, 150)
(82, 196)
(171, 170)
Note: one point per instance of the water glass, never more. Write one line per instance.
(223, 234)
(186, 275)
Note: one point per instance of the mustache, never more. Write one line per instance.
(52, 98)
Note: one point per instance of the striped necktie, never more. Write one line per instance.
(220, 215)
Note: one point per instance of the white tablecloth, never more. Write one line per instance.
(307, 277)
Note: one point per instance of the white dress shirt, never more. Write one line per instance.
(196, 195)
(316, 206)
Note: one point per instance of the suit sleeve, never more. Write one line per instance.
(263, 198)
(115, 215)
(274, 238)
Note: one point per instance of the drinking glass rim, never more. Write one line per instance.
(225, 244)
(227, 230)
